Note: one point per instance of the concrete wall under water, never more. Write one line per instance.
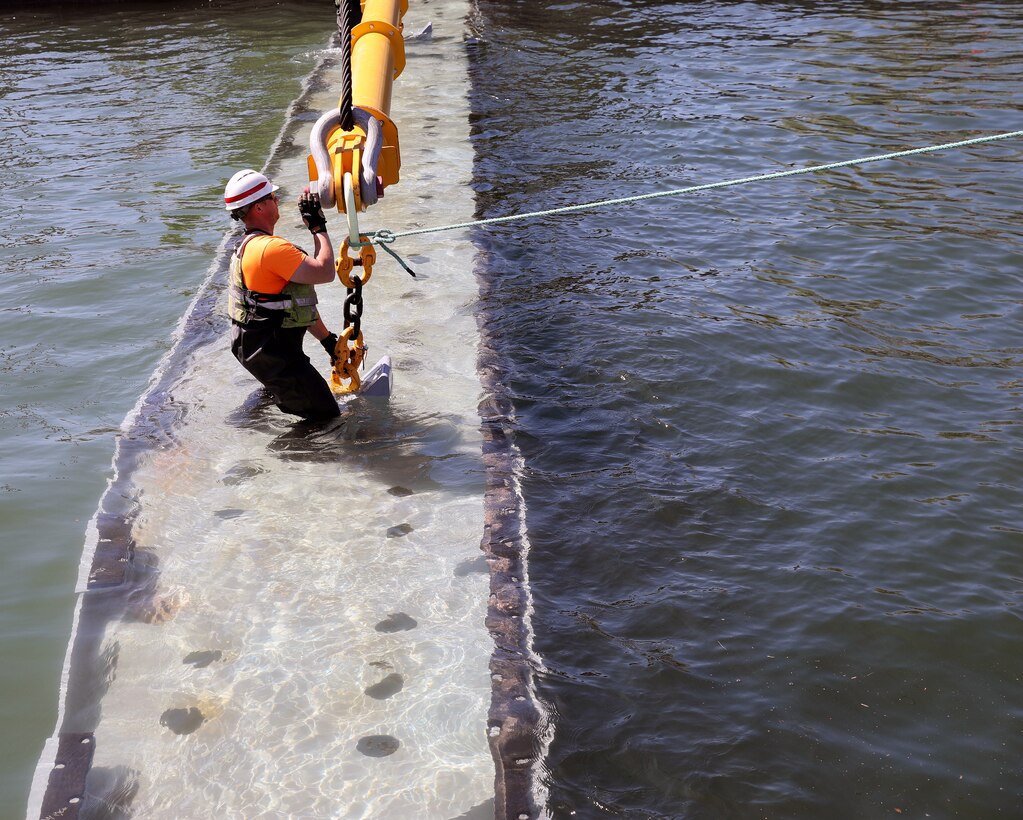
(275, 621)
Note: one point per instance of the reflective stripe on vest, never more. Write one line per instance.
(296, 303)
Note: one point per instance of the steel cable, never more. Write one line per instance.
(348, 14)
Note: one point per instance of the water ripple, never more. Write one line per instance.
(769, 431)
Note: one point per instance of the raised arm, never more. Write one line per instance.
(318, 267)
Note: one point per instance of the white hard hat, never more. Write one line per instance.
(246, 187)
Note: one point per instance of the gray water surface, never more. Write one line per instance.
(248, 666)
(120, 124)
(771, 433)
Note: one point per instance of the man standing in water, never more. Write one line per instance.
(272, 301)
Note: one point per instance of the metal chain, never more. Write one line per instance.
(353, 306)
(351, 347)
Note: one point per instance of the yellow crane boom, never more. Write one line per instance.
(369, 151)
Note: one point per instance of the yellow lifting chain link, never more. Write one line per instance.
(367, 258)
(351, 348)
(349, 354)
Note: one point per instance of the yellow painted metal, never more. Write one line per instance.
(345, 263)
(349, 353)
(378, 45)
(378, 57)
(346, 153)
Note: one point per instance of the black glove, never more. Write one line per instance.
(312, 213)
(329, 342)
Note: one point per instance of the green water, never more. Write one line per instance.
(120, 124)
(770, 437)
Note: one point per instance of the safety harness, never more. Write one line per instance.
(294, 306)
